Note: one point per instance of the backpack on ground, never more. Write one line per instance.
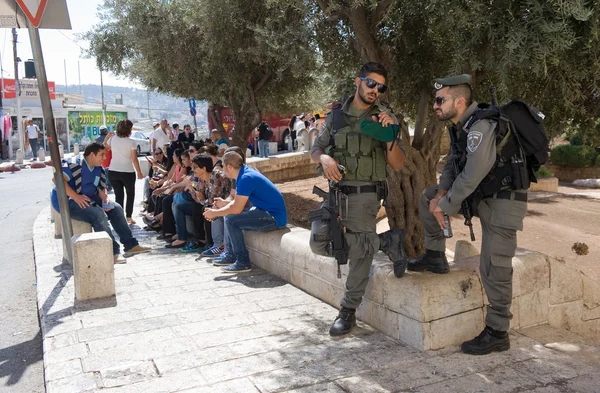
(520, 139)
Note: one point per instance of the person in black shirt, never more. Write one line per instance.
(186, 137)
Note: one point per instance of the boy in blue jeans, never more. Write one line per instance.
(267, 212)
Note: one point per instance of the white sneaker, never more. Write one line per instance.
(119, 259)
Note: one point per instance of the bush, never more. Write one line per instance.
(543, 172)
(576, 139)
(573, 156)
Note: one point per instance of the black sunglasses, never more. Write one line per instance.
(441, 100)
(381, 88)
(158, 152)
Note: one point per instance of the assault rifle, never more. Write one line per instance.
(465, 206)
(331, 212)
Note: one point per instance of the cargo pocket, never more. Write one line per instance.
(340, 141)
(351, 168)
(353, 144)
(365, 145)
(365, 168)
(379, 164)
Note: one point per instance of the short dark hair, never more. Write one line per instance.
(373, 67)
(462, 90)
(175, 125)
(186, 126)
(124, 128)
(212, 149)
(234, 159)
(198, 144)
(203, 161)
(93, 147)
(317, 116)
(237, 150)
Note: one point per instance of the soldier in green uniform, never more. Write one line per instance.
(343, 142)
(501, 213)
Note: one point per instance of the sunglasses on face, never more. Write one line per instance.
(158, 153)
(381, 88)
(441, 100)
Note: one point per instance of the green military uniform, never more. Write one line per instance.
(365, 161)
(501, 214)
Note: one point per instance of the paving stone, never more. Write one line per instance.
(188, 360)
(90, 321)
(242, 385)
(77, 384)
(149, 336)
(319, 388)
(228, 336)
(562, 368)
(242, 367)
(63, 354)
(213, 325)
(173, 382)
(219, 310)
(275, 342)
(68, 369)
(584, 383)
(60, 341)
(128, 373)
(108, 331)
(290, 301)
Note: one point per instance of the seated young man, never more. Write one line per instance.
(86, 194)
(267, 213)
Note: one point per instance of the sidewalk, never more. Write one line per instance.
(181, 326)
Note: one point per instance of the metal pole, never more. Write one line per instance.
(59, 179)
(18, 94)
(102, 92)
(195, 128)
(1, 106)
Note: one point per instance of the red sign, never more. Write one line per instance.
(33, 10)
(29, 89)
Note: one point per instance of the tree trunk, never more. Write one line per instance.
(214, 111)
(247, 118)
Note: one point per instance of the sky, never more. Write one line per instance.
(60, 47)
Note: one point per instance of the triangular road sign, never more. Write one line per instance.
(33, 9)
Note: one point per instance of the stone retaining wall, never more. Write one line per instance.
(429, 311)
(285, 167)
(572, 174)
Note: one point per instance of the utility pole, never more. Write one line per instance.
(102, 93)
(2, 108)
(148, 97)
(59, 180)
(18, 95)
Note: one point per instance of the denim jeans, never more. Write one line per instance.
(33, 142)
(181, 207)
(218, 229)
(251, 219)
(98, 219)
(263, 148)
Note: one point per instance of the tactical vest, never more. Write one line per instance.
(509, 171)
(362, 156)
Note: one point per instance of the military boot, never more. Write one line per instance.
(344, 322)
(433, 261)
(488, 341)
(392, 244)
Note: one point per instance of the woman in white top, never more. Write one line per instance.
(123, 166)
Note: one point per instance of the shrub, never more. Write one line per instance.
(543, 172)
(573, 156)
(576, 139)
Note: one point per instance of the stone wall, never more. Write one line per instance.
(571, 174)
(285, 167)
(429, 311)
(548, 184)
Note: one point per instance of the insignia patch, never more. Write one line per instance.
(474, 140)
(437, 85)
(323, 128)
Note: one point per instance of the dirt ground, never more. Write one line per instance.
(555, 221)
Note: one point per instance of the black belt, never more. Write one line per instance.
(349, 190)
(518, 196)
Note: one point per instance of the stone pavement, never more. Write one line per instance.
(178, 325)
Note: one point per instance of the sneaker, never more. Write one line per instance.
(213, 252)
(237, 268)
(119, 259)
(190, 247)
(227, 260)
(138, 250)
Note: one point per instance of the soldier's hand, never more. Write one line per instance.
(433, 204)
(330, 168)
(384, 118)
(438, 213)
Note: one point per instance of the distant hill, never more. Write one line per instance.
(175, 109)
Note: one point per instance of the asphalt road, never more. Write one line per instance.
(23, 195)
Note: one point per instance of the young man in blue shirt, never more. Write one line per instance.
(267, 212)
(86, 189)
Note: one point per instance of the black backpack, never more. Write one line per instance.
(268, 133)
(525, 123)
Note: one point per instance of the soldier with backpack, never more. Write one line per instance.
(493, 177)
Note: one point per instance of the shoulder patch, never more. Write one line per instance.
(474, 140)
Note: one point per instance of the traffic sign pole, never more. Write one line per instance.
(59, 180)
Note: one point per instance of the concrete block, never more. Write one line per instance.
(41, 154)
(567, 316)
(426, 297)
(531, 272)
(547, 184)
(57, 224)
(272, 148)
(75, 149)
(414, 333)
(464, 249)
(61, 151)
(79, 228)
(19, 157)
(515, 309)
(533, 308)
(382, 319)
(591, 330)
(566, 284)
(93, 268)
(591, 298)
(456, 328)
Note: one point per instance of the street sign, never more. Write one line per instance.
(33, 9)
(192, 103)
(193, 111)
(55, 16)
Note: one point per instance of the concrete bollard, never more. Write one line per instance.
(464, 249)
(93, 268)
(79, 228)
(19, 157)
(75, 149)
(41, 154)
(61, 151)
